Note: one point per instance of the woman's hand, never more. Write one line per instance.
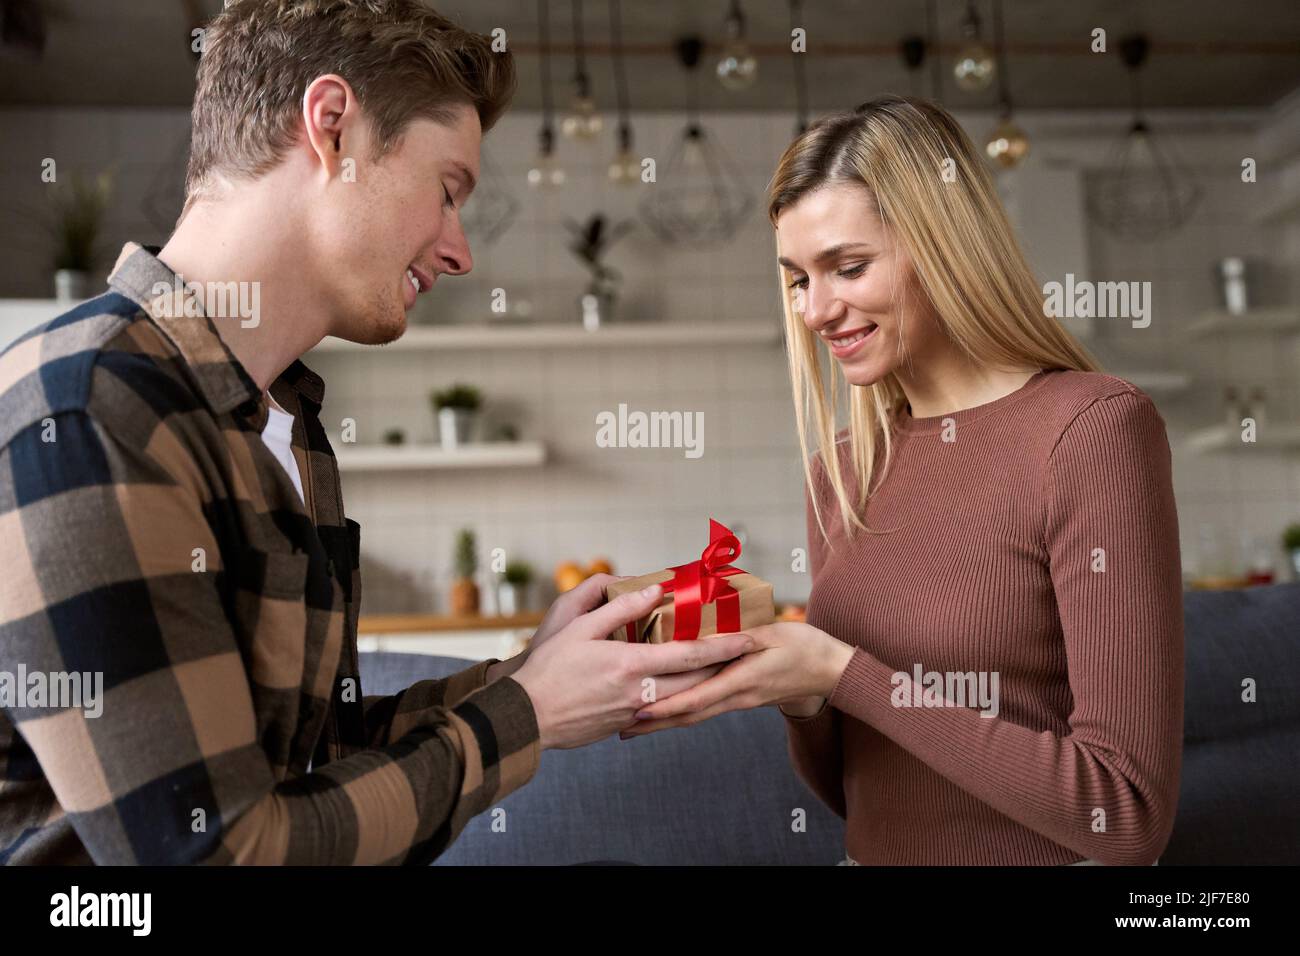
(791, 661)
(587, 596)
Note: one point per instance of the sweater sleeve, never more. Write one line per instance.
(815, 742)
(1108, 788)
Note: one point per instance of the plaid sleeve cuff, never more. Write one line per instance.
(391, 718)
(502, 743)
(464, 683)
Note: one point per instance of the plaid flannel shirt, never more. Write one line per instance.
(148, 535)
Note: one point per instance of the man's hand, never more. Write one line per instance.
(792, 662)
(571, 605)
(566, 608)
(584, 688)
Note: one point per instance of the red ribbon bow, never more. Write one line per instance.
(704, 582)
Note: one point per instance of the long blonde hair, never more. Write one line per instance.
(932, 191)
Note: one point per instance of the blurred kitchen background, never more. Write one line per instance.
(593, 288)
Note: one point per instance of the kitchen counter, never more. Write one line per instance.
(396, 624)
(472, 637)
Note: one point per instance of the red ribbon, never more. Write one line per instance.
(703, 582)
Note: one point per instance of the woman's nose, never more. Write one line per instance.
(820, 308)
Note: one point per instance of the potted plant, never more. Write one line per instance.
(512, 592)
(464, 591)
(456, 408)
(79, 210)
(1291, 541)
(591, 241)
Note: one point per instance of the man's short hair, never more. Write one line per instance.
(403, 60)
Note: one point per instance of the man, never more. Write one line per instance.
(175, 549)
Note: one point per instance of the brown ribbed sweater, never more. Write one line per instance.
(993, 568)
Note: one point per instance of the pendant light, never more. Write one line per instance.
(975, 65)
(583, 122)
(1146, 193)
(800, 77)
(700, 196)
(936, 60)
(912, 50)
(545, 172)
(738, 67)
(624, 169)
(1007, 145)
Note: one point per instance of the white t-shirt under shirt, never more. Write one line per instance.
(278, 437)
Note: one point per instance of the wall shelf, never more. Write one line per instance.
(1283, 319)
(19, 315)
(514, 454)
(572, 335)
(1269, 436)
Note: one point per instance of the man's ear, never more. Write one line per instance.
(331, 118)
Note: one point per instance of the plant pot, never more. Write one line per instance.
(597, 305)
(511, 598)
(455, 426)
(464, 597)
(71, 285)
(1295, 563)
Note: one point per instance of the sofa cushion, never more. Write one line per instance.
(1237, 803)
(1232, 635)
(619, 800)
(723, 792)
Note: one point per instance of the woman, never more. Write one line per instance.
(991, 671)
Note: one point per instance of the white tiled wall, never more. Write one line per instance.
(647, 508)
(1232, 506)
(643, 508)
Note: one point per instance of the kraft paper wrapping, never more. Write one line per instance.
(756, 607)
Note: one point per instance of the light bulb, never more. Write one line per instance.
(1007, 144)
(624, 169)
(737, 68)
(545, 173)
(692, 155)
(975, 67)
(582, 122)
(1140, 155)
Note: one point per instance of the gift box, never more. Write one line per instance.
(704, 597)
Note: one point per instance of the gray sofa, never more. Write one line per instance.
(724, 792)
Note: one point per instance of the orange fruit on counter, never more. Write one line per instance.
(599, 566)
(568, 576)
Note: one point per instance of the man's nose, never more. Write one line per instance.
(453, 250)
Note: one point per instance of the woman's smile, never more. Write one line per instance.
(845, 344)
